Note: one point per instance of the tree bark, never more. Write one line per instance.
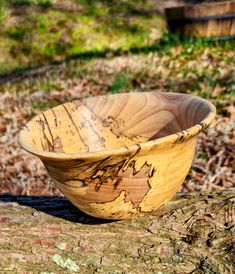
(193, 233)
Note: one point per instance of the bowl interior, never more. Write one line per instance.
(112, 121)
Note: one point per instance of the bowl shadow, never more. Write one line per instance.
(55, 206)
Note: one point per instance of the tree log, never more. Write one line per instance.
(193, 233)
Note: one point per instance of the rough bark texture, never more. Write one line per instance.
(192, 234)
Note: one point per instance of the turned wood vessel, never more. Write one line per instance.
(119, 156)
(215, 20)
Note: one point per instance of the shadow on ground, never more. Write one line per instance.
(31, 71)
(55, 206)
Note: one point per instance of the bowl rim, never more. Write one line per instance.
(169, 139)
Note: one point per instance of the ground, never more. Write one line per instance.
(53, 53)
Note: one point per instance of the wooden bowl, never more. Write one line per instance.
(119, 156)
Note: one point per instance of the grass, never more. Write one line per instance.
(20, 3)
(120, 83)
(203, 155)
(78, 41)
(2, 10)
(45, 105)
(45, 4)
(52, 34)
(42, 32)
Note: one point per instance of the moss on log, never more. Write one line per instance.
(193, 233)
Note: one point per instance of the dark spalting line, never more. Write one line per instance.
(50, 145)
(114, 178)
(27, 128)
(61, 178)
(43, 147)
(126, 199)
(116, 184)
(132, 164)
(71, 118)
(203, 125)
(104, 179)
(98, 185)
(66, 183)
(115, 181)
(34, 142)
(182, 137)
(139, 148)
(100, 163)
(152, 172)
(55, 120)
(68, 166)
(187, 133)
(131, 137)
(146, 194)
(72, 164)
(113, 124)
(120, 111)
(111, 176)
(107, 123)
(119, 180)
(189, 137)
(49, 129)
(137, 207)
(136, 152)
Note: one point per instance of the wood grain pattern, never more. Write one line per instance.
(118, 156)
(214, 19)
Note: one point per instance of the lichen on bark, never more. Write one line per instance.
(193, 233)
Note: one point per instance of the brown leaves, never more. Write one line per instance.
(231, 112)
(214, 165)
(20, 173)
